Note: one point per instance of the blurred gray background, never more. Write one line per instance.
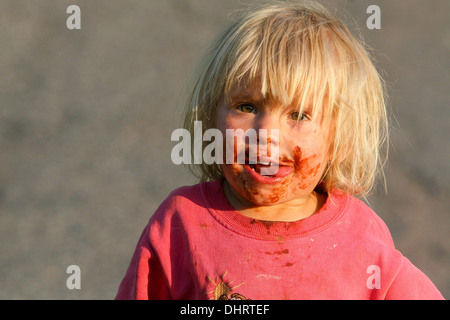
(86, 117)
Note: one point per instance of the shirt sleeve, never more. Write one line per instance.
(144, 279)
(412, 284)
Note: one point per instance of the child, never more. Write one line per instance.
(298, 232)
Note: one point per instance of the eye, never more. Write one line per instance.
(246, 108)
(298, 117)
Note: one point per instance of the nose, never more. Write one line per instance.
(268, 127)
(267, 119)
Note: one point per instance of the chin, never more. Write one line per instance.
(262, 196)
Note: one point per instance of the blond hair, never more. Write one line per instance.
(298, 50)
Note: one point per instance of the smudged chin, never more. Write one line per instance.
(256, 188)
(297, 177)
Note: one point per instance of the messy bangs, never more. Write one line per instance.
(305, 58)
(286, 54)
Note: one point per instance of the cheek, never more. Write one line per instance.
(307, 173)
(231, 171)
(308, 169)
(235, 176)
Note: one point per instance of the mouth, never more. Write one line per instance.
(266, 168)
(268, 171)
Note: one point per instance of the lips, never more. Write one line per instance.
(271, 170)
(268, 172)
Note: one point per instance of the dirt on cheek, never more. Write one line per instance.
(305, 169)
(239, 181)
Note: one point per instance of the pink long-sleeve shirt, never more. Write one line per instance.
(196, 246)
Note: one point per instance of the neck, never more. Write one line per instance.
(293, 210)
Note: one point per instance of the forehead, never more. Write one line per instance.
(250, 90)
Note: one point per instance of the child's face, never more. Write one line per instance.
(301, 142)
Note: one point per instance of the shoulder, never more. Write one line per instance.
(364, 223)
(180, 199)
(182, 206)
